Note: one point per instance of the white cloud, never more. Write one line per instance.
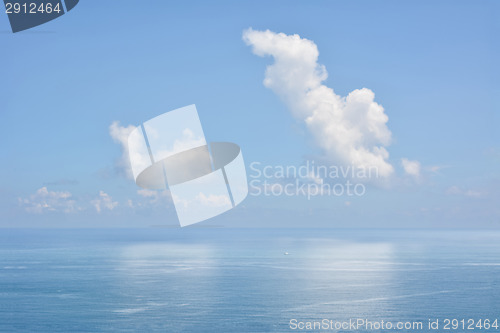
(155, 197)
(104, 202)
(315, 178)
(213, 200)
(473, 193)
(351, 129)
(455, 190)
(437, 168)
(44, 200)
(120, 135)
(49, 201)
(411, 168)
(150, 199)
(187, 141)
(147, 193)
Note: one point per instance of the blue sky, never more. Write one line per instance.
(433, 66)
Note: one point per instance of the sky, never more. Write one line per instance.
(408, 87)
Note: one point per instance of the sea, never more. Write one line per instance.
(249, 280)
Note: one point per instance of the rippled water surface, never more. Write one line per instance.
(241, 280)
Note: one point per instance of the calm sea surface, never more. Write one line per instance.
(241, 280)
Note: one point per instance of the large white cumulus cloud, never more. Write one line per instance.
(351, 129)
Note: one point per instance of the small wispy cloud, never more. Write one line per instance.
(411, 168)
(49, 201)
(456, 190)
(150, 199)
(213, 200)
(436, 168)
(148, 193)
(104, 202)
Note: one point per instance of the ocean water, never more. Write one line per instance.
(241, 280)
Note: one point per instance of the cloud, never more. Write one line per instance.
(187, 141)
(411, 168)
(44, 201)
(213, 200)
(147, 193)
(154, 197)
(350, 129)
(120, 135)
(49, 201)
(437, 168)
(455, 190)
(104, 202)
(151, 199)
